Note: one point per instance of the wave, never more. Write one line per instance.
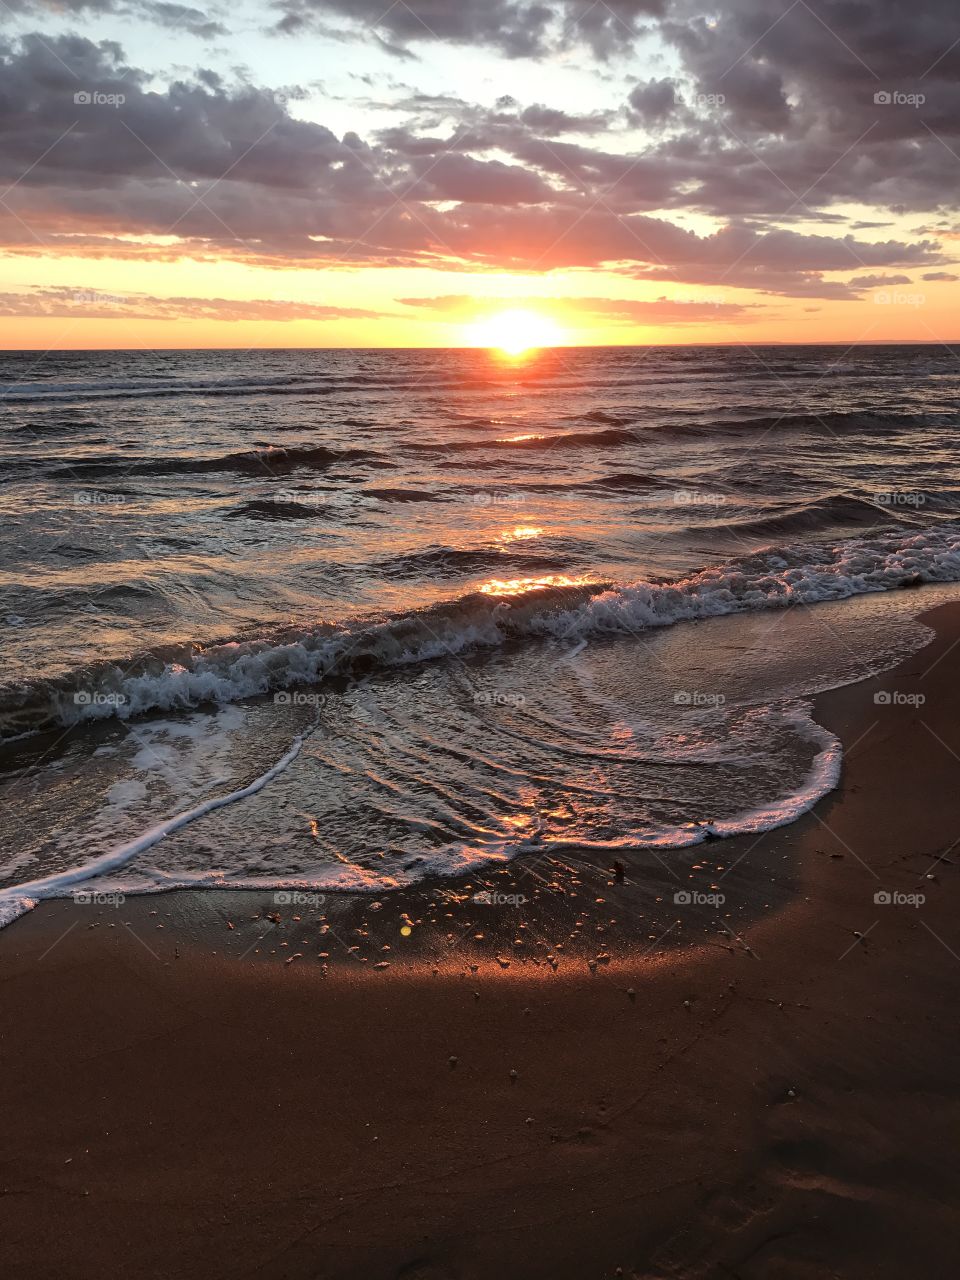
(441, 562)
(267, 460)
(835, 422)
(617, 436)
(402, 495)
(610, 438)
(833, 511)
(776, 577)
(279, 509)
(628, 481)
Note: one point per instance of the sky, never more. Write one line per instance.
(340, 173)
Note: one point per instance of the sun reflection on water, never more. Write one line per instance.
(521, 533)
(521, 586)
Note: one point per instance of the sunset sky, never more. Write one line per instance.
(355, 173)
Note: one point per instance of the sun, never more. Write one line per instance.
(515, 332)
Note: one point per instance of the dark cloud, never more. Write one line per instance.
(654, 101)
(177, 17)
(939, 275)
(515, 28)
(550, 121)
(833, 100)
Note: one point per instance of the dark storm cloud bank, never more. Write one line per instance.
(93, 156)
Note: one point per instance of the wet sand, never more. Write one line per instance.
(763, 1089)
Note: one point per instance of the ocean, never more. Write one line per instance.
(350, 620)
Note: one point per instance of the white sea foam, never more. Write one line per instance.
(774, 578)
(449, 861)
(14, 902)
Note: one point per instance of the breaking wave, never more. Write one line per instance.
(516, 611)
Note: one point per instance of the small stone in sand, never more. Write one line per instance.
(514, 1076)
(297, 955)
(453, 1062)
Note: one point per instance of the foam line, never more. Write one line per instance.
(15, 902)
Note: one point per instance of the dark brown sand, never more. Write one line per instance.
(777, 1097)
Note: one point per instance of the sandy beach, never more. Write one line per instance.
(768, 1095)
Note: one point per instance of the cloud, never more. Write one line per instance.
(842, 100)
(654, 101)
(96, 160)
(873, 282)
(939, 275)
(176, 17)
(615, 311)
(514, 28)
(87, 304)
